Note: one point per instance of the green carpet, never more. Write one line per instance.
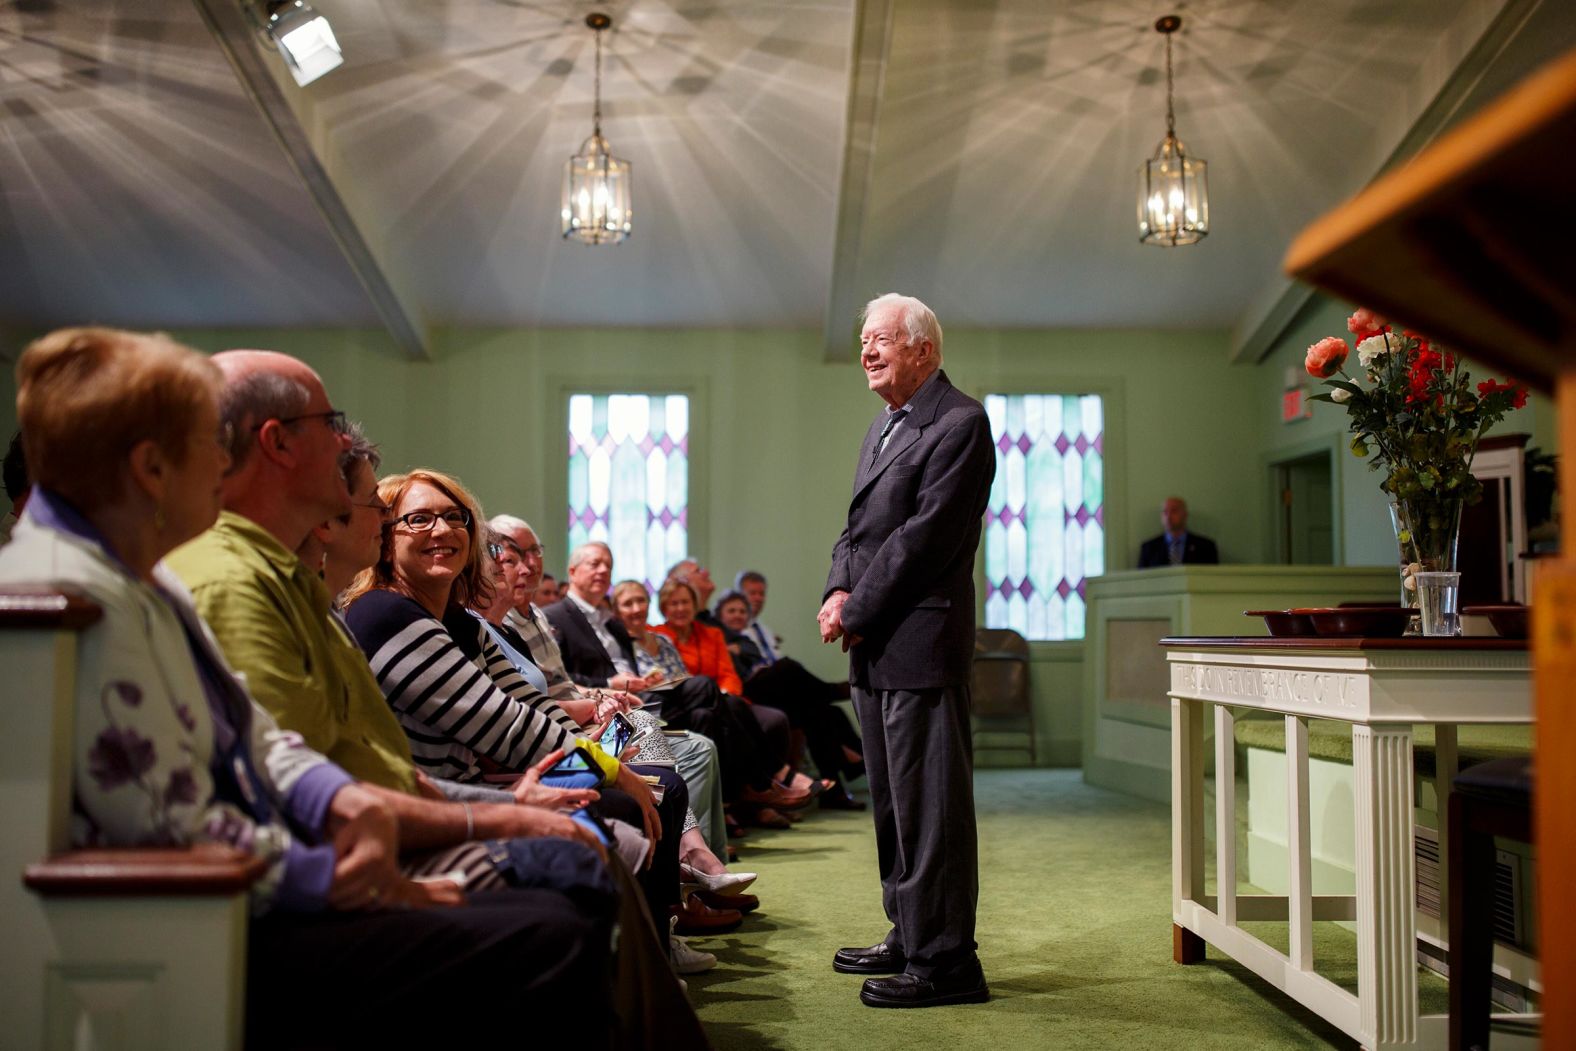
(1074, 932)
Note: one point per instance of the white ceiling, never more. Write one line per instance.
(139, 185)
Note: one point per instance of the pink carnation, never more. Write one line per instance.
(1326, 357)
(1364, 321)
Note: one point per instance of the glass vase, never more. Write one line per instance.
(1427, 530)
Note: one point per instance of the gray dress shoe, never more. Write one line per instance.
(880, 958)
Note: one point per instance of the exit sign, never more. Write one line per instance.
(1295, 406)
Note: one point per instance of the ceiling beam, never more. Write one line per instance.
(1281, 299)
(286, 111)
(867, 77)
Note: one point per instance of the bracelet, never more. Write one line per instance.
(470, 823)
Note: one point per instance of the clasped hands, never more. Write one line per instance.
(831, 620)
(365, 836)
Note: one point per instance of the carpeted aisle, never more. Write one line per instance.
(1074, 932)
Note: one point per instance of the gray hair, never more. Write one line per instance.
(253, 399)
(918, 321)
(677, 570)
(361, 448)
(511, 524)
(581, 553)
(748, 576)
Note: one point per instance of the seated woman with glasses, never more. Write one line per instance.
(464, 706)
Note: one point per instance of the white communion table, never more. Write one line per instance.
(1382, 687)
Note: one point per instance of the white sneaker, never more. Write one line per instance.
(685, 959)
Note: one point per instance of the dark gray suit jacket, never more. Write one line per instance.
(585, 658)
(906, 557)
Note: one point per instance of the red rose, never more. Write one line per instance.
(1326, 357)
(1364, 323)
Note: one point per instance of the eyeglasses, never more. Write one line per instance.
(534, 551)
(337, 421)
(424, 521)
(376, 504)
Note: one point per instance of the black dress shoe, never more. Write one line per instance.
(964, 986)
(839, 799)
(874, 959)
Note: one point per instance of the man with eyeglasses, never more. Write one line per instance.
(270, 613)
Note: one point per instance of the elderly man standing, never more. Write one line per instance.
(901, 597)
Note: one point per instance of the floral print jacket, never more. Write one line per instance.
(145, 739)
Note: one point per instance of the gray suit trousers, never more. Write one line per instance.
(919, 758)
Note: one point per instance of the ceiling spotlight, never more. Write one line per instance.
(303, 37)
(1173, 193)
(595, 208)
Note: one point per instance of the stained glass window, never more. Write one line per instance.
(629, 480)
(1045, 523)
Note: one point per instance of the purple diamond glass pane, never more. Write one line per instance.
(1082, 515)
(1024, 445)
(1003, 444)
(1062, 444)
(1025, 589)
(1063, 588)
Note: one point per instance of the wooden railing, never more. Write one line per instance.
(118, 947)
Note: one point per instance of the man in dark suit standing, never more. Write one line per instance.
(1176, 546)
(901, 597)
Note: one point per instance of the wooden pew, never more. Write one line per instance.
(113, 948)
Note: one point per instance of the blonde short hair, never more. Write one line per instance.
(471, 587)
(87, 396)
(624, 587)
(671, 587)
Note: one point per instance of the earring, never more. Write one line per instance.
(158, 517)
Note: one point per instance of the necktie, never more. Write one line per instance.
(1176, 551)
(893, 419)
(766, 647)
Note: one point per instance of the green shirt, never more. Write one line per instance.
(274, 621)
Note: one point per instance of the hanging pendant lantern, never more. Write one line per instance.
(1173, 190)
(596, 194)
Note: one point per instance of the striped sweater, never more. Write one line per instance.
(457, 696)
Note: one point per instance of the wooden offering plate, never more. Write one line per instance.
(1283, 623)
(1369, 622)
(1509, 621)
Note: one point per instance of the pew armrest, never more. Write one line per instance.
(201, 871)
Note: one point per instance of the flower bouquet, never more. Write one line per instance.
(1416, 415)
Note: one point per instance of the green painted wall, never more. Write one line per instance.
(1364, 520)
(775, 434)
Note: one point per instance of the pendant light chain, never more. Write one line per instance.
(596, 112)
(1171, 119)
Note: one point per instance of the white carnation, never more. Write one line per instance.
(1370, 350)
(1340, 395)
